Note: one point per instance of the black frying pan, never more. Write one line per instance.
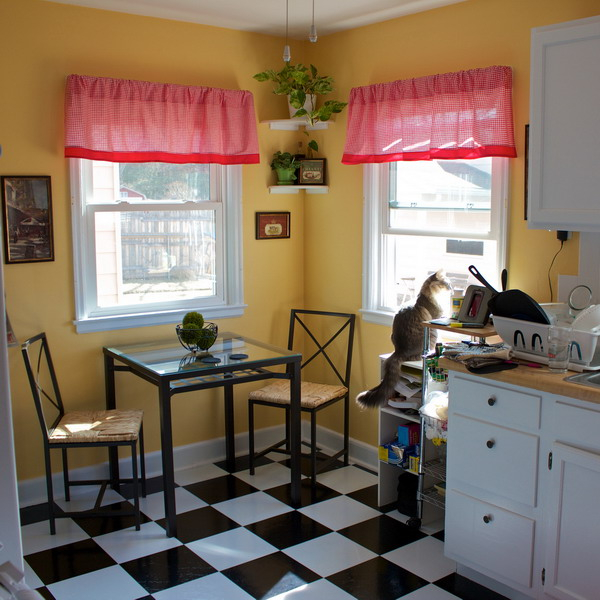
(514, 304)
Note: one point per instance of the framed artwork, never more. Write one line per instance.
(27, 212)
(272, 225)
(526, 176)
(312, 171)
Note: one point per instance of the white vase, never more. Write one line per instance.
(309, 106)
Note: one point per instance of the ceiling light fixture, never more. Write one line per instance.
(312, 36)
(287, 56)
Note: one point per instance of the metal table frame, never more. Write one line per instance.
(195, 375)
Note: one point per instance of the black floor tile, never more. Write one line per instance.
(68, 561)
(308, 494)
(288, 529)
(167, 569)
(466, 589)
(366, 495)
(36, 513)
(45, 593)
(377, 578)
(220, 489)
(153, 486)
(243, 462)
(95, 526)
(382, 534)
(200, 523)
(270, 575)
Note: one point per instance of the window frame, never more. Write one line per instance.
(376, 193)
(226, 199)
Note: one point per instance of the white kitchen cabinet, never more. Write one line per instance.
(563, 176)
(525, 513)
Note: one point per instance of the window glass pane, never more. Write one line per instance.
(440, 196)
(410, 259)
(155, 256)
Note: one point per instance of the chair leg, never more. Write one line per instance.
(136, 485)
(142, 460)
(251, 436)
(287, 429)
(67, 484)
(346, 430)
(313, 446)
(50, 491)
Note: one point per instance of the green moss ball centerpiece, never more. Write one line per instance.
(195, 334)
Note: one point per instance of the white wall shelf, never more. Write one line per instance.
(294, 189)
(295, 124)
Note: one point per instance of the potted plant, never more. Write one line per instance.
(285, 165)
(300, 84)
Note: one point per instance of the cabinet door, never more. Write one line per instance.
(574, 525)
(564, 178)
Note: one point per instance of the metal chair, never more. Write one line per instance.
(333, 327)
(80, 429)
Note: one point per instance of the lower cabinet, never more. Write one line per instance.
(523, 494)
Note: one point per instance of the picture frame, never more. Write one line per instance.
(272, 225)
(312, 171)
(526, 173)
(27, 214)
(475, 306)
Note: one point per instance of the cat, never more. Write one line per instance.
(407, 336)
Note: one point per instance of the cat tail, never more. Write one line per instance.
(380, 394)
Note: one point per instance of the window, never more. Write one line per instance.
(153, 241)
(421, 216)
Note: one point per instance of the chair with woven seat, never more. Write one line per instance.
(335, 355)
(80, 429)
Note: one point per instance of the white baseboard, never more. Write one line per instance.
(33, 491)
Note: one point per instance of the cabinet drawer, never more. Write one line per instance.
(489, 538)
(500, 460)
(577, 426)
(495, 403)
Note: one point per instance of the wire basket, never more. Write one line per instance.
(195, 339)
(436, 430)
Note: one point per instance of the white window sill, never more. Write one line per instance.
(108, 323)
(378, 317)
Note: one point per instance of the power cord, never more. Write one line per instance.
(562, 243)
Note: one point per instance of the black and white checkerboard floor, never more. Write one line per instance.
(239, 539)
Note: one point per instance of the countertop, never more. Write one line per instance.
(534, 378)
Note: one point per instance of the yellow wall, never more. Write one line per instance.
(320, 266)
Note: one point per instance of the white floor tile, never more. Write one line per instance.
(215, 587)
(31, 578)
(347, 479)
(153, 505)
(113, 582)
(430, 592)
(128, 544)
(231, 548)
(266, 476)
(84, 498)
(339, 512)
(198, 473)
(36, 537)
(252, 508)
(320, 589)
(425, 557)
(329, 554)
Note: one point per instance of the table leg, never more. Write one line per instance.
(295, 438)
(166, 445)
(111, 403)
(229, 428)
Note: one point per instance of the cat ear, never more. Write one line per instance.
(441, 273)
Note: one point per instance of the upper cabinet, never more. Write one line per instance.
(564, 133)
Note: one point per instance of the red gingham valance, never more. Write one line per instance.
(467, 114)
(121, 120)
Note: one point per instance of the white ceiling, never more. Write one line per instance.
(268, 16)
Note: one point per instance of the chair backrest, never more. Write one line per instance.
(43, 382)
(329, 335)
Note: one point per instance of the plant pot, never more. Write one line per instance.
(194, 339)
(286, 176)
(309, 106)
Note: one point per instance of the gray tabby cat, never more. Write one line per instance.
(407, 336)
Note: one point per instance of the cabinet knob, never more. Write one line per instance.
(487, 518)
(491, 400)
(490, 443)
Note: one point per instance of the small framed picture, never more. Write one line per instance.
(27, 212)
(312, 171)
(272, 225)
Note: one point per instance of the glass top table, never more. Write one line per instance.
(231, 360)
